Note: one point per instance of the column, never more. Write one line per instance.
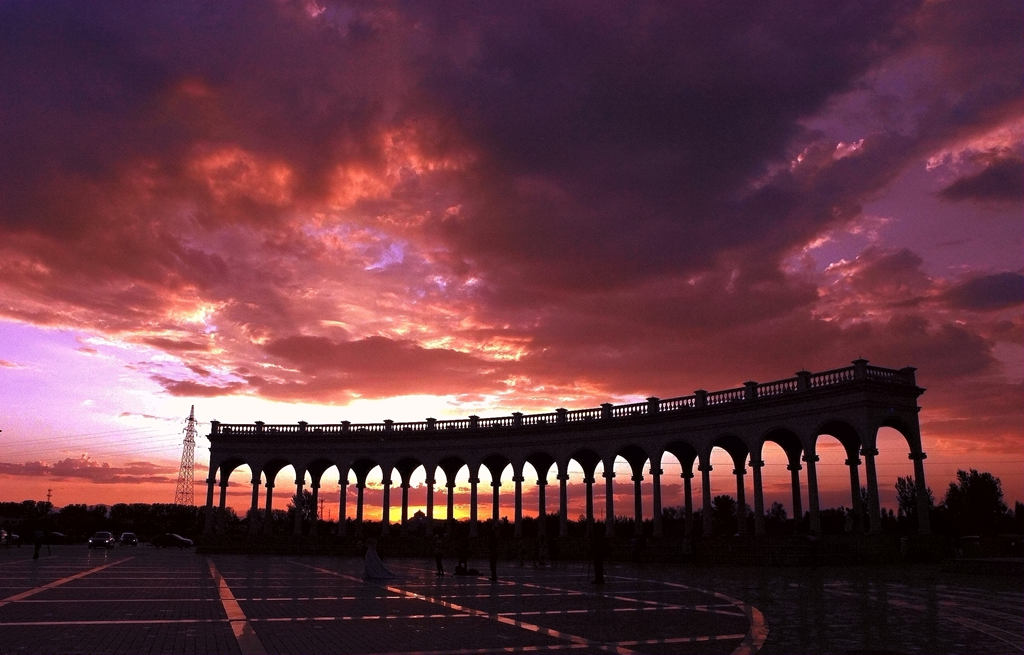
(741, 501)
(342, 497)
(254, 505)
(473, 482)
(405, 504)
(705, 489)
(687, 477)
(223, 494)
(638, 506)
(588, 481)
(208, 524)
(857, 505)
(430, 502)
(563, 504)
(756, 465)
(923, 507)
(794, 479)
(268, 523)
(873, 509)
(812, 493)
(496, 486)
(450, 521)
(360, 486)
(656, 480)
(541, 508)
(300, 482)
(609, 502)
(518, 479)
(385, 512)
(315, 487)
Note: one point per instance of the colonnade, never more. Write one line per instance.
(851, 404)
(871, 512)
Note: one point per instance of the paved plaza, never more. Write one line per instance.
(144, 600)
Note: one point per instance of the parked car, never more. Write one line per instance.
(55, 537)
(129, 539)
(169, 539)
(101, 539)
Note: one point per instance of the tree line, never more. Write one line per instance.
(972, 505)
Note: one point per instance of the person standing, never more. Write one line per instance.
(373, 567)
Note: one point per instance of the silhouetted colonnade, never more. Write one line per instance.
(850, 403)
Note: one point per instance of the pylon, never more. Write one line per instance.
(185, 493)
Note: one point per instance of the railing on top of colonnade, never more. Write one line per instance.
(803, 381)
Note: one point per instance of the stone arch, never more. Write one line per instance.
(272, 470)
(588, 459)
(495, 463)
(315, 470)
(542, 461)
(792, 447)
(908, 425)
(405, 467)
(636, 457)
(852, 442)
(361, 467)
(450, 466)
(738, 451)
(686, 454)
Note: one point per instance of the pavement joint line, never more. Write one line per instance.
(113, 622)
(368, 617)
(530, 627)
(726, 609)
(248, 641)
(56, 583)
(756, 635)
(1006, 636)
(121, 600)
(684, 640)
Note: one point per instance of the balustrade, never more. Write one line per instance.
(727, 396)
(803, 383)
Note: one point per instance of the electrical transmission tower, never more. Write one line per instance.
(185, 493)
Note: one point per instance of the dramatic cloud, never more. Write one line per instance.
(989, 292)
(515, 206)
(86, 468)
(1001, 180)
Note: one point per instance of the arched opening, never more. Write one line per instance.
(897, 481)
(582, 486)
(839, 511)
(236, 493)
(730, 504)
(778, 491)
(461, 491)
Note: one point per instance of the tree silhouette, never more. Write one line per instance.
(975, 502)
(304, 505)
(906, 497)
(723, 514)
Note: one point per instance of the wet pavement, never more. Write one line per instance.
(144, 600)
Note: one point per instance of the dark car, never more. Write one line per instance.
(129, 539)
(55, 537)
(169, 540)
(101, 539)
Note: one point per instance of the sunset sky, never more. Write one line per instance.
(323, 211)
